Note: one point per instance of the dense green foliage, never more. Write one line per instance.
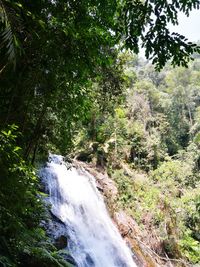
(92, 24)
(62, 77)
(150, 146)
(52, 52)
(22, 241)
(20, 207)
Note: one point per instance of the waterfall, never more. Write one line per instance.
(94, 241)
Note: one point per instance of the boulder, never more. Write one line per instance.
(85, 156)
(61, 242)
(67, 257)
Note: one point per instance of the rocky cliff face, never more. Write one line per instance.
(127, 226)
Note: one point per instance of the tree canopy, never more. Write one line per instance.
(52, 51)
(88, 26)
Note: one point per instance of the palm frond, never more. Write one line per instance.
(7, 39)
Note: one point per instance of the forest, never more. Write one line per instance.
(72, 83)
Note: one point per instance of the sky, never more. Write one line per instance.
(188, 26)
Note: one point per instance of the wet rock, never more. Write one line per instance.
(53, 224)
(55, 158)
(89, 261)
(130, 231)
(126, 224)
(106, 186)
(100, 188)
(56, 219)
(68, 159)
(42, 188)
(67, 257)
(61, 242)
(56, 230)
(70, 259)
(104, 183)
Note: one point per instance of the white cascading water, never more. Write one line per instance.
(94, 241)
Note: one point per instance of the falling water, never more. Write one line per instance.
(94, 241)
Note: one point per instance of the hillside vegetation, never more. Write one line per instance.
(148, 140)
